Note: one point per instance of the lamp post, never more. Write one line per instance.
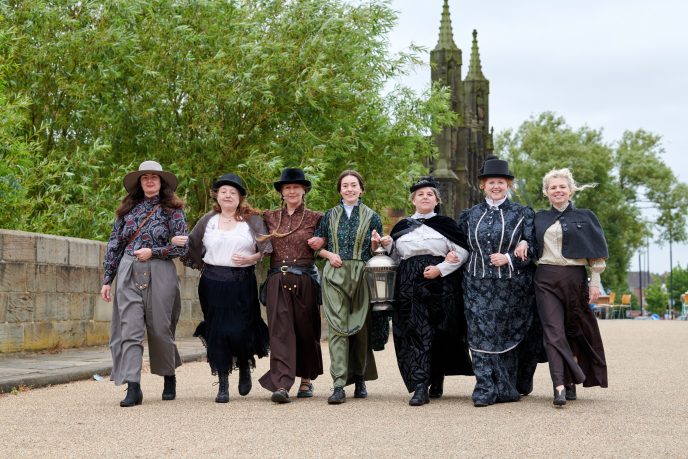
(640, 281)
(671, 275)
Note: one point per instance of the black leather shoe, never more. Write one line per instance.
(360, 390)
(307, 393)
(134, 395)
(169, 392)
(437, 388)
(245, 383)
(571, 392)
(223, 389)
(420, 396)
(524, 388)
(338, 396)
(559, 397)
(280, 396)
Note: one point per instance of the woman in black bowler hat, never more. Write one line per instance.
(292, 291)
(223, 246)
(428, 318)
(498, 289)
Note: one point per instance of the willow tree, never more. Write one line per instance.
(210, 87)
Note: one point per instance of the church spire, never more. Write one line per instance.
(446, 40)
(475, 71)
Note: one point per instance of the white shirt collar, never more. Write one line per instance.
(497, 203)
(426, 216)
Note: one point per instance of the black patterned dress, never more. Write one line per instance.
(428, 323)
(499, 302)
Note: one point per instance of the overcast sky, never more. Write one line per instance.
(609, 64)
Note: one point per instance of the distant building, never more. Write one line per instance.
(636, 280)
(463, 147)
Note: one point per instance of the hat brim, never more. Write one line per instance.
(506, 176)
(305, 183)
(216, 186)
(131, 180)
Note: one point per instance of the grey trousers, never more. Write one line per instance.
(154, 309)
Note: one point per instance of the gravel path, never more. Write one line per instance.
(644, 413)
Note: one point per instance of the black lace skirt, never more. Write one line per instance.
(233, 331)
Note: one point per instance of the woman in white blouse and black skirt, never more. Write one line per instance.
(428, 321)
(568, 241)
(223, 246)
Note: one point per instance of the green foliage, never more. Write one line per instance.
(206, 88)
(629, 175)
(678, 283)
(656, 299)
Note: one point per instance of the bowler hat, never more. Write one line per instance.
(495, 167)
(424, 182)
(131, 180)
(292, 175)
(231, 180)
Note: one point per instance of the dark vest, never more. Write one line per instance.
(582, 234)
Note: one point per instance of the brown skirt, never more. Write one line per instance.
(571, 335)
(294, 327)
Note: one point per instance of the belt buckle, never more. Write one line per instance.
(284, 269)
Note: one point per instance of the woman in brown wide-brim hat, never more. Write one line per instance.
(292, 291)
(147, 299)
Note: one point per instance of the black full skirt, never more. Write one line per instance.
(428, 323)
(233, 331)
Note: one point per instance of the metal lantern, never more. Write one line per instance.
(381, 273)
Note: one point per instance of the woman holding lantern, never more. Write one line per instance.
(428, 322)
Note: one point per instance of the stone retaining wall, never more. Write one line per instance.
(50, 293)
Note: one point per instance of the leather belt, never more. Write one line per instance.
(298, 270)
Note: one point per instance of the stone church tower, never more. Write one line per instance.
(464, 146)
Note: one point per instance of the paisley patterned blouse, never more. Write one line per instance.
(156, 235)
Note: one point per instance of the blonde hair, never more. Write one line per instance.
(566, 174)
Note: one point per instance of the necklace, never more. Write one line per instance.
(226, 219)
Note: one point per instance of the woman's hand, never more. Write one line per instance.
(245, 260)
(452, 257)
(384, 241)
(180, 241)
(334, 258)
(594, 294)
(431, 272)
(499, 259)
(105, 293)
(522, 250)
(143, 254)
(316, 243)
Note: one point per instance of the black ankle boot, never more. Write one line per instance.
(244, 380)
(420, 396)
(571, 392)
(134, 395)
(169, 392)
(559, 397)
(436, 387)
(223, 390)
(360, 390)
